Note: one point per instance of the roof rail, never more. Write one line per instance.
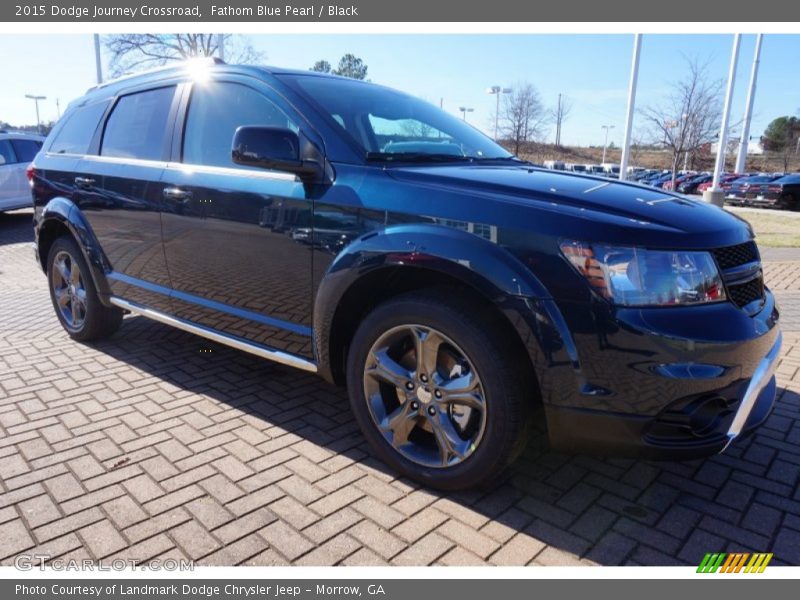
(207, 60)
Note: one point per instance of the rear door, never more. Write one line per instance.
(234, 263)
(121, 195)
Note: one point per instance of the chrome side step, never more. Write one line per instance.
(277, 356)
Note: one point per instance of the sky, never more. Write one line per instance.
(455, 69)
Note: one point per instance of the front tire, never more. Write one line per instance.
(74, 295)
(439, 397)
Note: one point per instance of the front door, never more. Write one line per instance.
(233, 261)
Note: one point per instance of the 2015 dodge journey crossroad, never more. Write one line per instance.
(354, 231)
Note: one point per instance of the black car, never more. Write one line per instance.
(690, 186)
(353, 231)
(783, 193)
(745, 190)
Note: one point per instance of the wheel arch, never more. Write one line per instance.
(60, 216)
(403, 259)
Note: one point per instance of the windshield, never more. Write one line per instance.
(390, 125)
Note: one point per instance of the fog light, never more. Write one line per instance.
(706, 415)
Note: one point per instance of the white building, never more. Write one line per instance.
(754, 147)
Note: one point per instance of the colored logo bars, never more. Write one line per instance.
(734, 562)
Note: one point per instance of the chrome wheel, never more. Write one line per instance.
(69, 290)
(425, 396)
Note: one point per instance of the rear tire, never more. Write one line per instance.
(788, 202)
(74, 295)
(439, 398)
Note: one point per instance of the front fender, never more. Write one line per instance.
(63, 212)
(486, 267)
(473, 259)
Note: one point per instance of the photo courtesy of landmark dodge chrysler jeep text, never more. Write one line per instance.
(350, 230)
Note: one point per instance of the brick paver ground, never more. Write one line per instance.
(158, 444)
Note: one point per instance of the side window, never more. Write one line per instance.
(137, 127)
(216, 110)
(26, 150)
(6, 153)
(76, 134)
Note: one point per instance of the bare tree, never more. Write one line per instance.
(637, 147)
(560, 114)
(132, 52)
(689, 116)
(522, 116)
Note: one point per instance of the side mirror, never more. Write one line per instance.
(272, 148)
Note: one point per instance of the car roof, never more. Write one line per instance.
(20, 135)
(114, 86)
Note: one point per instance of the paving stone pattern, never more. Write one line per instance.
(157, 444)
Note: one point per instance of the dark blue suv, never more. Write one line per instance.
(350, 230)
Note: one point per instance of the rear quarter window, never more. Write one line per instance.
(75, 135)
(137, 127)
(26, 150)
(6, 153)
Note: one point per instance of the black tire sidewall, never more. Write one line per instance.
(502, 396)
(93, 305)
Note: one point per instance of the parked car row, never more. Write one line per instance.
(773, 190)
(610, 170)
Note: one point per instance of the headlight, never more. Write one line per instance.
(637, 277)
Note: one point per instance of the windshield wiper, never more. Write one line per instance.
(416, 157)
(512, 159)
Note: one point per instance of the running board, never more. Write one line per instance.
(277, 356)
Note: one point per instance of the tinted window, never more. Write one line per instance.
(6, 153)
(789, 179)
(137, 127)
(76, 134)
(385, 122)
(26, 150)
(216, 110)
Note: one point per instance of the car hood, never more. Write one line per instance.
(612, 202)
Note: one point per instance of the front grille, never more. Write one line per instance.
(733, 256)
(740, 292)
(745, 293)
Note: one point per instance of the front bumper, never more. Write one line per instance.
(664, 383)
(618, 434)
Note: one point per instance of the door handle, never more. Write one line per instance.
(84, 182)
(175, 193)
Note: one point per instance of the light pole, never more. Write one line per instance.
(497, 91)
(714, 195)
(464, 110)
(36, 101)
(748, 111)
(98, 63)
(687, 139)
(626, 140)
(605, 144)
